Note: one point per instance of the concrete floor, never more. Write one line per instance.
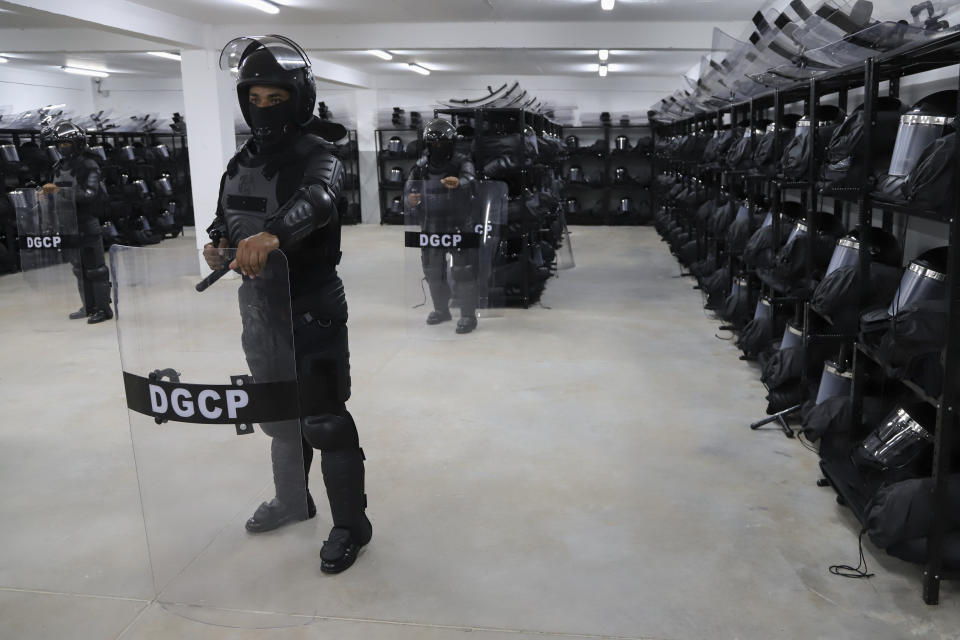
(582, 470)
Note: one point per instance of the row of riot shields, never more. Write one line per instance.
(211, 382)
(203, 361)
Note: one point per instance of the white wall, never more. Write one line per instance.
(163, 96)
(23, 90)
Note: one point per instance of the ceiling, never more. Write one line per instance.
(133, 64)
(523, 62)
(409, 11)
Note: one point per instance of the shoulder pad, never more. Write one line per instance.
(309, 144)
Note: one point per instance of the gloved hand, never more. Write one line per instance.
(50, 188)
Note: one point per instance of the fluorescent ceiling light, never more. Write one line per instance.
(383, 55)
(54, 107)
(417, 68)
(85, 72)
(165, 54)
(603, 71)
(4, 60)
(606, 5)
(263, 5)
(604, 54)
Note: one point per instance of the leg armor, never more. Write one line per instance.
(435, 270)
(324, 374)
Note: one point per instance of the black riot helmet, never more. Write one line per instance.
(69, 139)
(271, 60)
(439, 136)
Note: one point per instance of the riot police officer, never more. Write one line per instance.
(454, 170)
(279, 192)
(78, 168)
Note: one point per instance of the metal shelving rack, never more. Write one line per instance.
(891, 67)
(388, 190)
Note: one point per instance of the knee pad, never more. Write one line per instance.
(286, 430)
(329, 432)
(97, 274)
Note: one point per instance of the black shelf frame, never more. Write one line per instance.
(936, 53)
(388, 190)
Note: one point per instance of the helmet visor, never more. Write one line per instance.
(285, 51)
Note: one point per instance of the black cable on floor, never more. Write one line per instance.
(846, 571)
(424, 292)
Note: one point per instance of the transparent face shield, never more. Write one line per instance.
(99, 152)
(919, 283)
(845, 254)
(915, 133)
(897, 442)
(162, 151)
(285, 51)
(127, 153)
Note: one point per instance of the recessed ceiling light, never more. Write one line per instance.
(418, 69)
(165, 54)
(263, 5)
(606, 5)
(603, 71)
(604, 54)
(85, 72)
(383, 55)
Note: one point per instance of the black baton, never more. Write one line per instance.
(210, 279)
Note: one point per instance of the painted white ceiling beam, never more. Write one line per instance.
(340, 74)
(490, 35)
(473, 86)
(126, 17)
(74, 40)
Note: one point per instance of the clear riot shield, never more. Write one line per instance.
(452, 241)
(211, 387)
(49, 244)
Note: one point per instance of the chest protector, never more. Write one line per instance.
(249, 198)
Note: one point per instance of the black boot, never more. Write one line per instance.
(436, 317)
(343, 474)
(100, 315)
(293, 502)
(466, 324)
(79, 313)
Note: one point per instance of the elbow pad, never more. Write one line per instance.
(311, 208)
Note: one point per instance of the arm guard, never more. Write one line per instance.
(467, 172)
(88, 182)
(314, 205)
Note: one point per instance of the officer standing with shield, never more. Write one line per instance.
(280, 192)
(78, 168)
(443, 169)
